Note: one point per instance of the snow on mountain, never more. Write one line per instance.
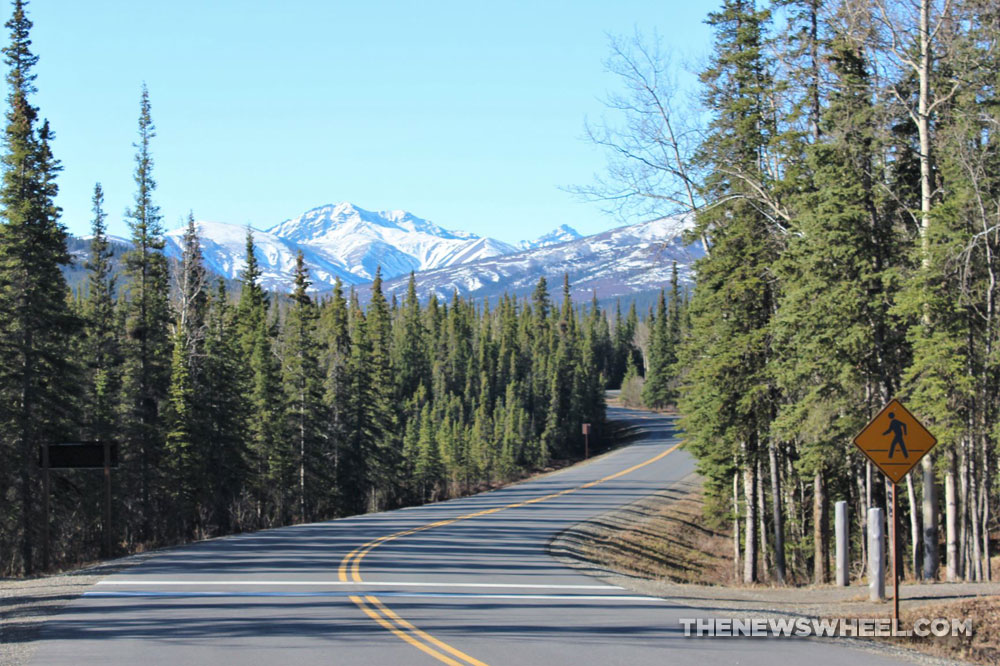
(562, 234)
(350, 243)
(628, 260)
(338, 240)
(398, 241)
(224, 250)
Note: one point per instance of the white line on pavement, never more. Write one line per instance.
(367, 583)
(420, 595)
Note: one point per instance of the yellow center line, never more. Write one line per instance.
(406, 631)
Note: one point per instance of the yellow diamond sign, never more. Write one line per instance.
(895, 441)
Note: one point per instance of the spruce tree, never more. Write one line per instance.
(185, 448)
(147, 351)
(35, 320)
(728, 397)
(656, 392)
(302, 378)
(103, 347)
(260, 380)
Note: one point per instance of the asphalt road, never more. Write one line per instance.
(465, 582)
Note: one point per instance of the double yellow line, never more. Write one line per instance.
(350, 571)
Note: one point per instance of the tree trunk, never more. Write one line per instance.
(985, 495)
(736, 525)
(821, 567)
(765, 558)
(975, 572)
(951, 518)
(911, 495)
(964, 507)
(930, 519)
(863, 517)
(777, 517)
(750, 540)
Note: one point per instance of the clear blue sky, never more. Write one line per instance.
(467, 113)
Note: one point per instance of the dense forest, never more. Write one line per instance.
(843, 170)
(238, 411)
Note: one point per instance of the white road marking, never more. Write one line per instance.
(419, 595)
(367, 583)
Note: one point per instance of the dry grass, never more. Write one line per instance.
(662, 537)
(663, 545)
(983, 647)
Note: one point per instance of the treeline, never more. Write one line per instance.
(845, 182)
(242, 411)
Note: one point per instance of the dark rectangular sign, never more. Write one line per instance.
(78, 455)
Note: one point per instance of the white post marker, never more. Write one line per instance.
(840, 524)
(876, 554)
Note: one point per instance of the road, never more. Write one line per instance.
(466, 583)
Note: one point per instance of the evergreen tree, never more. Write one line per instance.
(147, 353)
(102, 350)
(225, 408)
(728, 397)
(385, 461)
(303, 381)
(185, 450)
(656, 392)
(261, 383)
(35, 320)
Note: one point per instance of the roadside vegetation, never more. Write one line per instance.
(842, 171)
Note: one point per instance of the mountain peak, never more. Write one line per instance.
(561, 234)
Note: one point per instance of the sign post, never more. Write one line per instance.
(586, 440)
(78, 455)
(895, 442)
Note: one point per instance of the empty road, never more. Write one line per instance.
(466, 583)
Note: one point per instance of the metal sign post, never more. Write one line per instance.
(895, 559)
(895, 442)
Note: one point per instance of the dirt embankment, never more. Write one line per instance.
(663, 546)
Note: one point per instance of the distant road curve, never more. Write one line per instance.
(466, 583)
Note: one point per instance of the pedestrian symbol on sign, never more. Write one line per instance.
(908, 437)
(898, 429)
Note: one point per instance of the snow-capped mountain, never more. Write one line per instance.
(562, 234)
(398, 241)
(347, 242)
(628, 260)
(339, 240)
(224, 250)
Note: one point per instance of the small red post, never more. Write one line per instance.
(586, 440)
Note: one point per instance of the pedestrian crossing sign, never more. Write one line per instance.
(895, 441)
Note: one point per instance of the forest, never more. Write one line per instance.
(842, 166)
(247, 410)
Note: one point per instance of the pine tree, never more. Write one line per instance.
(728, 397)
(147, 346)
(302, 379)
(657, 392)
(261, 383)
(335, 339)
(102, 352)
(185, 447)
(382, 467)
(35, 320)
(225, 408)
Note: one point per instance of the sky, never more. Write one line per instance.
(470, 114)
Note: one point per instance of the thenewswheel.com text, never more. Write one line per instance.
(833, 627)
